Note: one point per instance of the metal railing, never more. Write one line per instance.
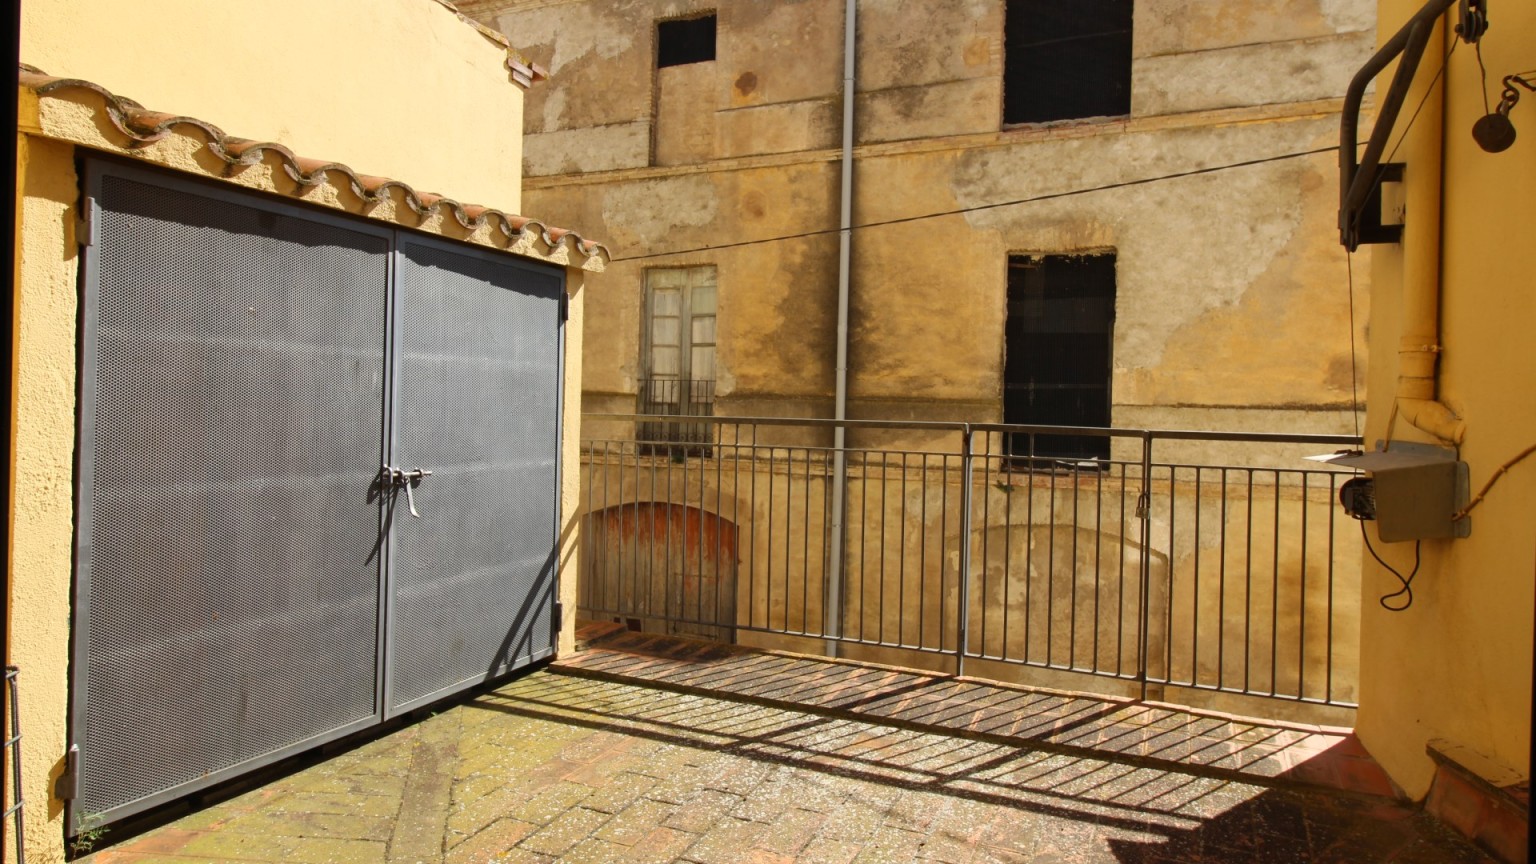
(1225, 566)
(12, 759)
(672, 398)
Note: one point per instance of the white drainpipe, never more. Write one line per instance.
(832, 617)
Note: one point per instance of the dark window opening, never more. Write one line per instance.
(1056, 370)
(1066, 60)
(690, 40)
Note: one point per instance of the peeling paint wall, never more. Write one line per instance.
(1233, 299)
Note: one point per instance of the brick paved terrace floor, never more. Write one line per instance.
(639, 749)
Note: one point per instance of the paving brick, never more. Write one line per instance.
(558, 766)
(622, 791)
(595, 851)
(566, 831)
(491, 844)
(551, 802)
(636, 822)
(327, 850)
(792, 831)
(661, 845)
(727, 842)
(701, 810)
(826, 851)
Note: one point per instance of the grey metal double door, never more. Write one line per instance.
(263, 560)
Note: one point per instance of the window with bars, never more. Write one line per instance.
(679, 350)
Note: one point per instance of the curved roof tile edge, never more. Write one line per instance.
(143, 127)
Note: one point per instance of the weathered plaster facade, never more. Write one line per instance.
(1233, 305)
(1233, 301)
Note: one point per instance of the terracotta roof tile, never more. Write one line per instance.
(143, 127)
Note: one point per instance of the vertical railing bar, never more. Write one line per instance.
(1333, 495)
(901, 559)
(773, 481)
(986, 550)
(1050, 572)
(963, 606)
(1098, 556)
(666, 546)
(1194, 641)
(1173, 508)
(863, 537)
(1301, 638)
(708, 516)
(1005, 470)
(592, 492)
(1221, 593)
(1029, 544)
(805, 551)
(834, 517)
(943, 543)
(1248, 590)
(631, 562)
(1274, 598)
(1077, 486)
(720, 575)
(677, 525)
(885, 483)
(1144, 514)
(922, 556)
(749, 554)
(1120, 591)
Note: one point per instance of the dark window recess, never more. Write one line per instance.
(1061, 315)
(691, 40)
(1066, 60)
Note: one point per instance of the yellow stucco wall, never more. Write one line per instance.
(324, 79)
(42, 501)
(396, 89)
(1457, 665)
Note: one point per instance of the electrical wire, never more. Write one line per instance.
(1407, 589)
(1484, 69)
(1050, 196)
(1478, 498)
(1057, 195)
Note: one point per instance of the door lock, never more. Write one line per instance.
(405, 477)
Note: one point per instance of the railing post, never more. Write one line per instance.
(963, 603)
(832, 611)
(1144, 514)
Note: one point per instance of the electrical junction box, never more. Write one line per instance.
(1418, 488)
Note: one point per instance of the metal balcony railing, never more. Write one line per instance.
(675, 398)
(1224, 565)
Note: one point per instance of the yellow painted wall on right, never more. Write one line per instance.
(1456, 665)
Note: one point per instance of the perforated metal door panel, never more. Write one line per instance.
(227, 595)
(477, 397)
